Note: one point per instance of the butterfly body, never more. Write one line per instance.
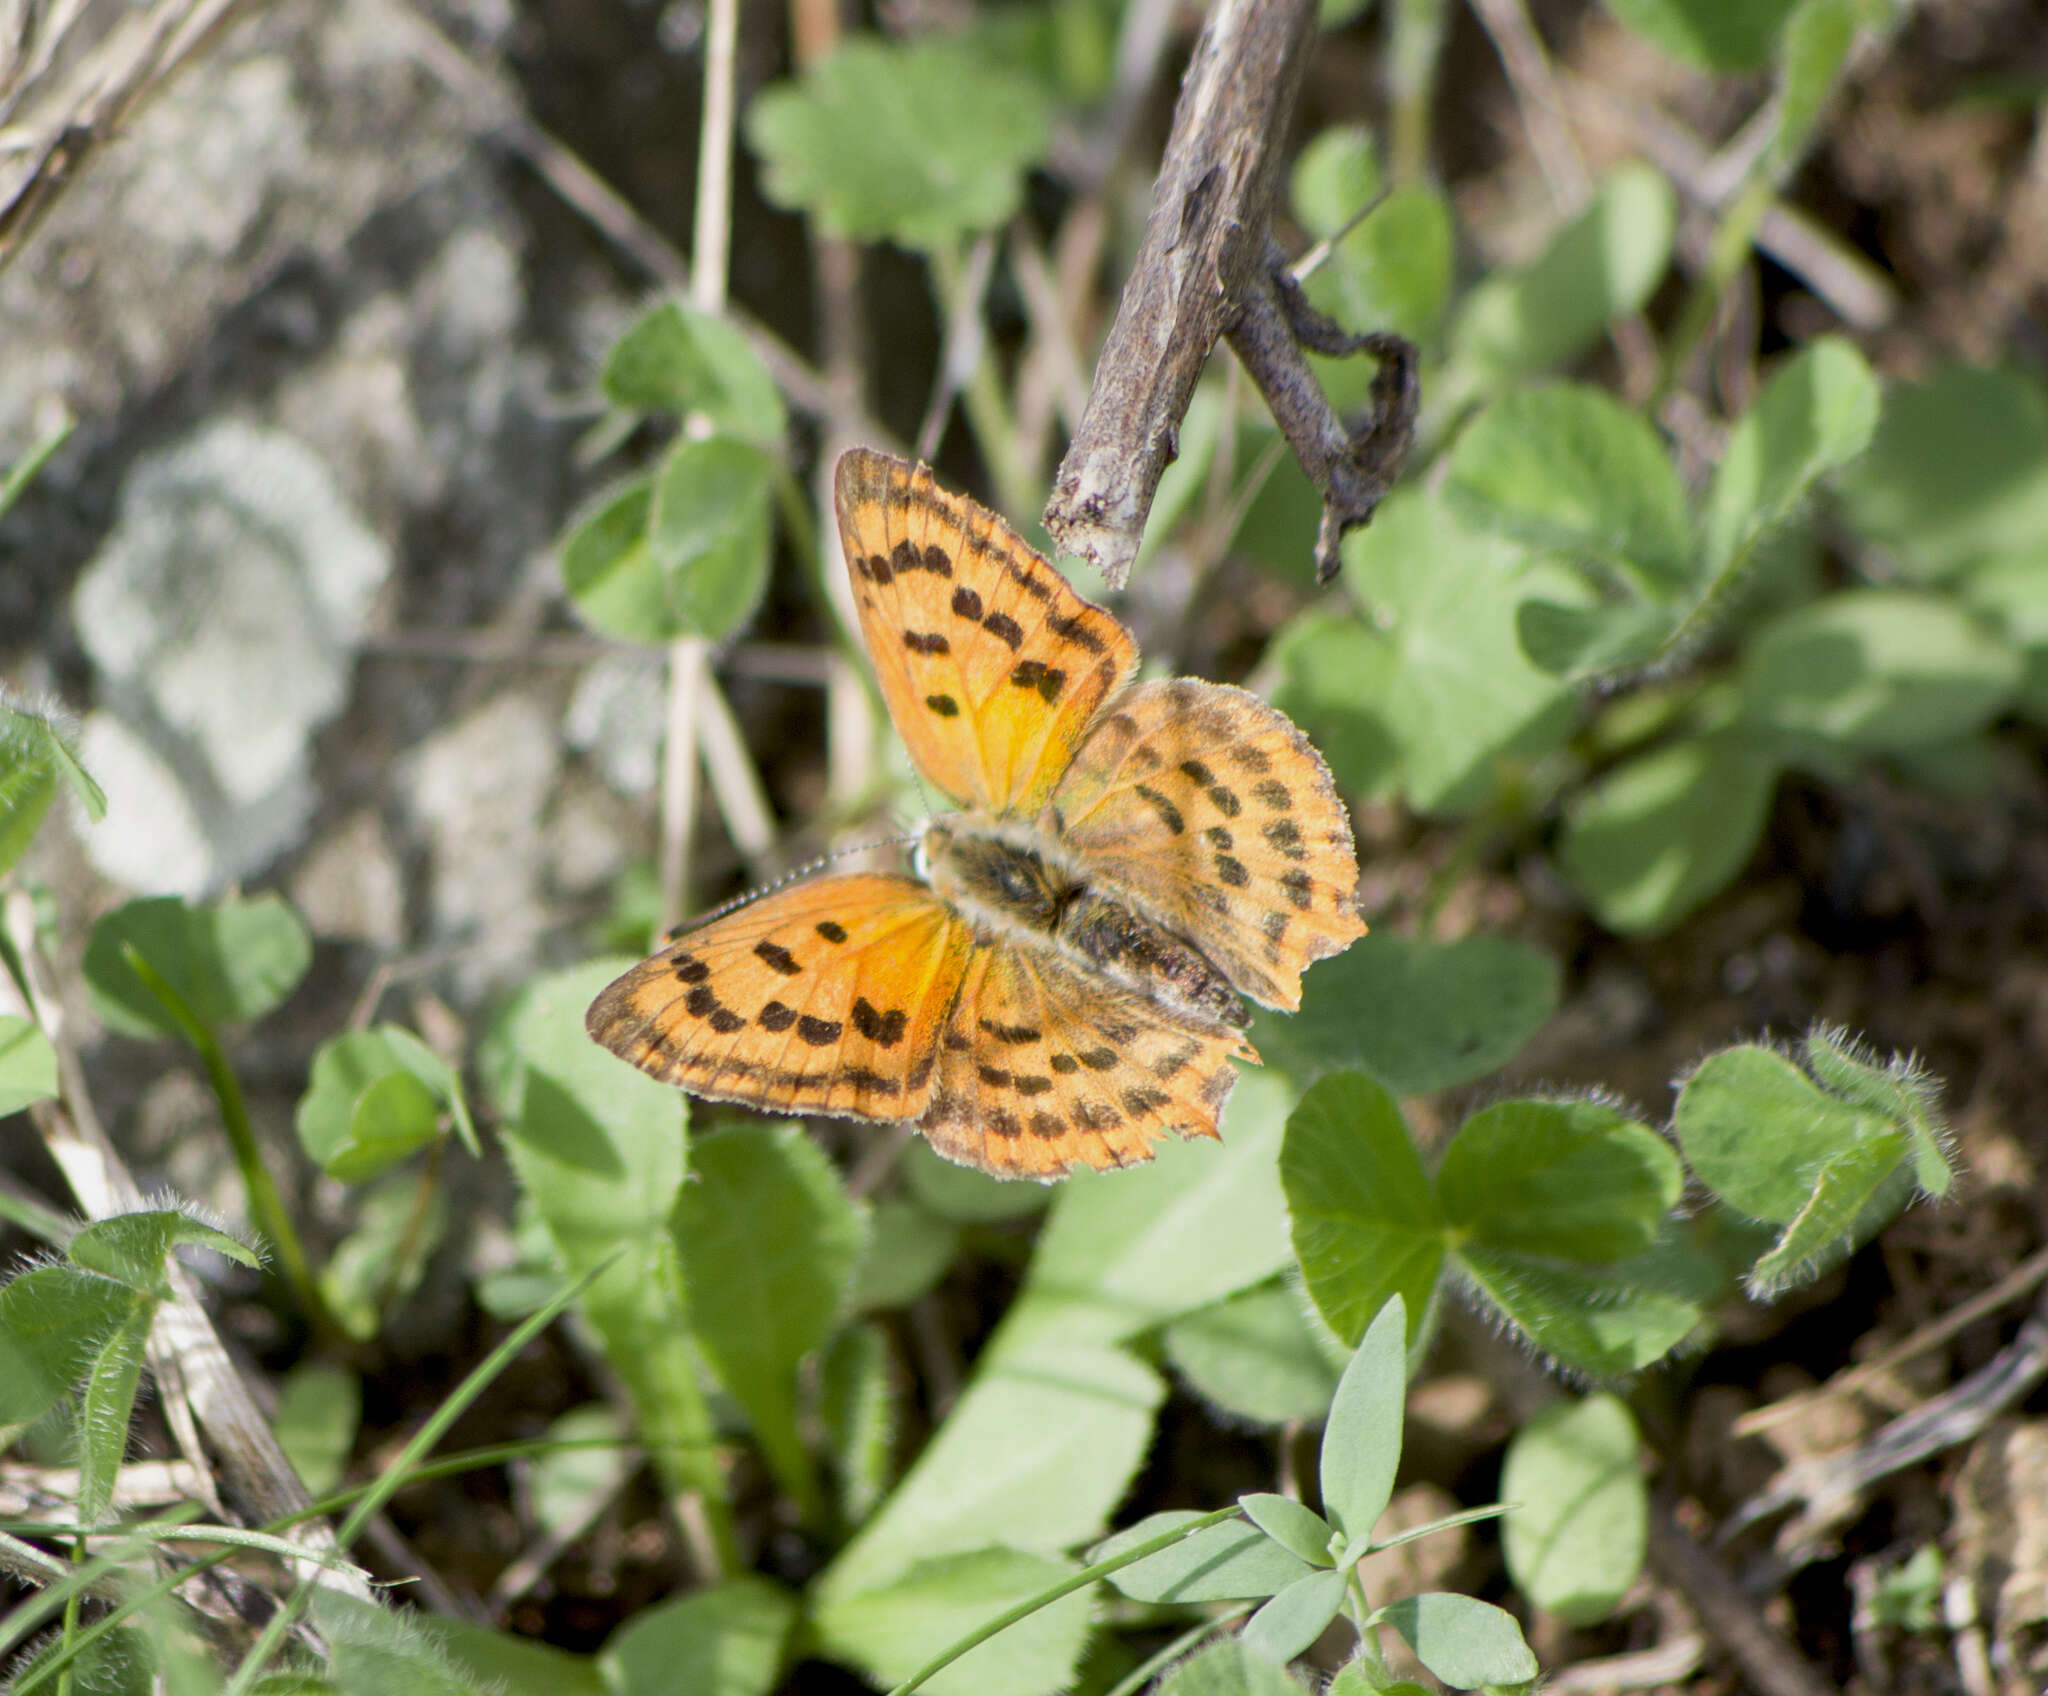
(1064, 984)
(1021, 883)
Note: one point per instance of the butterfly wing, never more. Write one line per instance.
(1212, 812)
(825, 997)
(1041, 1068)
(991, 665)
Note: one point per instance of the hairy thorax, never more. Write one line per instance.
(1012, 879)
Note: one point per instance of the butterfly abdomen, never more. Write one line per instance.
(1109, 935)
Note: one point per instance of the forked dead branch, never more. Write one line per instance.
(1209, 268)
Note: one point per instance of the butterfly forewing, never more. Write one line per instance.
(991, 665)
(1042, 1068)
(1214, 813)
(826, 997)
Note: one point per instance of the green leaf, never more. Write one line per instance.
(1296, 1617)
(365, 1109)
(1081, 1413)
(1256, 1356)
(233, 960)
(28, 1065)
(398, 1226)
(1660, 833)
(1758, 1131)
(608, 569)
(599, 1150)
(769, 1244)
(857, 1402)
(1958, 470)
(319, 1408)
(36, 758)
(1222, 1563)
(1456, 694)
(891, 1631)
(1601, 1320)
(727, 1640)
(2010, 592)
(965, 1196)
(1299, 1530)
(708, 533)
(1137, 1248)
(1052, 1395)
(1393, 270)
(674, 358)
(1566, 467)
(1334, 673)
(108, 1407)
(1230, 1668)
(1817, 413)
(53, 1320)
(1603, 265)
(506, 1665)
(921, 143)
(1710, 35)
(1362, 1441)
(1878, 671)
(1817, 40)
(1366, 1223)
(131, 1248)
(1581, 643)
(1466, 1643)
(908, 1252)
(568, 1487)
(375, 1651)
(1571, 1179)
(1901, 1089)
(1855, 1191)
(1579, 1524)
(1420, 1016)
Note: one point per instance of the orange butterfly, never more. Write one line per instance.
(1065, 985)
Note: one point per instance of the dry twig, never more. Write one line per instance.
(1207, 268)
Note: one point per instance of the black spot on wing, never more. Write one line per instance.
(689, 969)
(921, 642)
(1012, 1034)
(777, 957)
(967, 604)
(1036, 674)
(1300, 887)
(774, 1016)
(1275, 794)
(831, 930)
(1004, 629)
(1285, 835)
(944, 705)
(1169, 814)
(1232, 871)
(819, 1033)
(1075, 630)
(884, 1029)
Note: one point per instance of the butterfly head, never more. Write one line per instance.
(993, 878)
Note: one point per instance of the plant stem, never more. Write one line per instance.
(1734, 237)
(265, 1203)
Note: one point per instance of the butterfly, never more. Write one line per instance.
(1063, 983)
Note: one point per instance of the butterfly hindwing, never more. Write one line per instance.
(825, 997)
(1042, 1068)
(1211, 811)
(990, 664)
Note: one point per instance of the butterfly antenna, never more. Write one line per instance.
(795, 875)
